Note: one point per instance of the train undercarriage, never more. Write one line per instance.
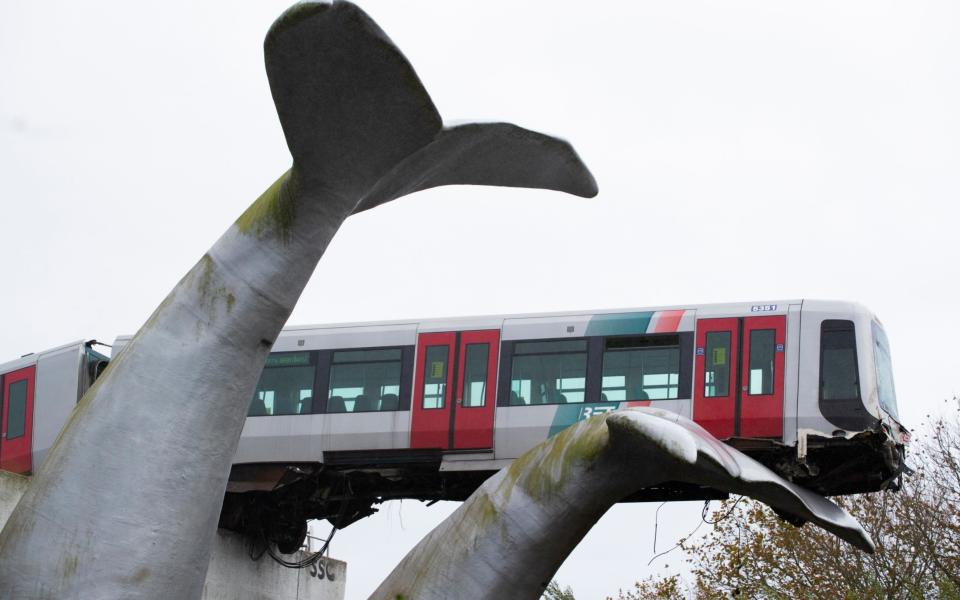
(272, 503)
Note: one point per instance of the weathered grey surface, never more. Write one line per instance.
(127, 501)
(12, 487)
(510, 537)
(231, 574)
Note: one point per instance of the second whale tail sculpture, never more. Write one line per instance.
(510, 537)
(127, 501)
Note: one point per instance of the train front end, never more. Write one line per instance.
(849, 435)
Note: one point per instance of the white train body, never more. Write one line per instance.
(427, 409)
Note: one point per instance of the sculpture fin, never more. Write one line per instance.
(538, 509)
(487, 154)
(350, 104)
(360, 124)
(723, 467)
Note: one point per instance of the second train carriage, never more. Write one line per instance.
(347, 416)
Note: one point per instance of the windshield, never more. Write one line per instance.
(881, 356)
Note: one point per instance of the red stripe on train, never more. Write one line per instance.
(668, 321)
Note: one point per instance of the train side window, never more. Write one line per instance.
(17, 409)
(285, 386)
(717, 365)
(641, 368)
(475, 375)
(762, 354)
(839, 378)
(365, 380)
(551, 372)
(435, 376)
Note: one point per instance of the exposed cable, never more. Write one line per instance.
(656, 525)
(703, 519)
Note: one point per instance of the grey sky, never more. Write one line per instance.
(744, 151)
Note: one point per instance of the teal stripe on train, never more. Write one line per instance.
(619, 324)
(568, 414)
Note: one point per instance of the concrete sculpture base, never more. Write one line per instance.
(231, 573)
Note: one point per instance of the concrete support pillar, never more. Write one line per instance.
(231, 573)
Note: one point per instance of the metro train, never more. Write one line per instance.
(347, 416)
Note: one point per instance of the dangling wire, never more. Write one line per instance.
(703, 513)
(346, 492)
(703, 519)
(306, 562)
(656, 525)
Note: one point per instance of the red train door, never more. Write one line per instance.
(16, 416)
(738, 386)
(454, 390)
(761, 400)
(715, 384)
(476, 390)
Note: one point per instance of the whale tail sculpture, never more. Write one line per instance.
(359, 122)
(127, 501)
(539, 508)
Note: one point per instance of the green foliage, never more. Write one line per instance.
(555, 592)
(754, 554)
(655, 588)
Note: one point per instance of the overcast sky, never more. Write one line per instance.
(744, 150)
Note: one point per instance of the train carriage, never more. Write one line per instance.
(39, 391)
(347, 416)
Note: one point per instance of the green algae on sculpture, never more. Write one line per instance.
(539, 508)
(275, 210)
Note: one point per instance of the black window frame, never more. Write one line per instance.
(773, 365)
(731, 368)
(846, 413)
(22, 422)
(326, 366)
(594, 383)
(312, 361)
(486, 375)
(446, 376)
(507, 354)
(657, 338)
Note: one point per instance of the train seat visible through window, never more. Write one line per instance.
(257, 407)
(389, 402)
(336, 404)
(365, 403)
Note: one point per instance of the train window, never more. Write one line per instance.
(364, 380)
(475, 375)
(717, 365)
(762, 353)
(16, 409)
(285, 386)
(435, 376)
(548, 372)
(641, 368)
(839, 379)
(881, 357)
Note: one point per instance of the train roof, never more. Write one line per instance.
(398, 331)
(31, 358)
(438, 323)
(708, 310)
